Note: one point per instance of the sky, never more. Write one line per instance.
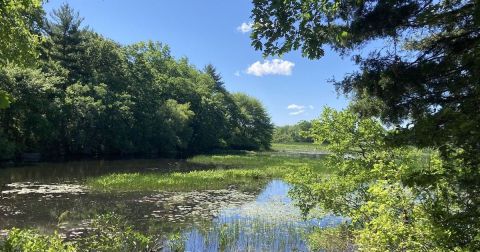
(217, 32)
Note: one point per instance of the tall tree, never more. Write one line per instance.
(212, 71)
(65, 43)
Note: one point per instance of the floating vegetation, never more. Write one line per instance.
(179, 207)
(270, 223)
(32, 187)
(226, 203)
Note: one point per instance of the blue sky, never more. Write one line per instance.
(292, 88)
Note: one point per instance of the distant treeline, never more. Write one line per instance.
(298, 133)
(88, 95)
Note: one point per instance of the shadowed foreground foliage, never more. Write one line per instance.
(109, 232)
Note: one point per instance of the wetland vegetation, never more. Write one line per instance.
(212, 202)
(398, 169)
(230, 170)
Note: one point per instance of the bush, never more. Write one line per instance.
(111, 232)
(29, 240)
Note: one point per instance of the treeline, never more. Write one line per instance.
(297, 133)
(88, 95)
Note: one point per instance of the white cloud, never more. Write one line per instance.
(298, 109)
(245, 27)
(237, 73)
(273, 67)
(298, 112)
(295, 107)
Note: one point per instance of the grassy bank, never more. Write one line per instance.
(297, 147)
(240, 170)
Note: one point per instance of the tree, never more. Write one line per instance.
(212, 71)
(29, 123)
(376, 186)
(65, 43)
(88, 95)
(19, 35)
(427, 73)
(254, 129)
(425, 81)
(293, 133)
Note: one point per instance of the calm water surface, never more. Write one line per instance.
(52, 197)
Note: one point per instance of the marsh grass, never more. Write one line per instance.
(241, 170)
(298, 147)
(242, 234)
(194, 180)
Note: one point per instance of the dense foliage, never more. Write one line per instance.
(423, 81)
(377, 186)
(88, 95)
(109, 232)
(297, 133)
(18, 34)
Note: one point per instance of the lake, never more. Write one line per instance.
(52, 196)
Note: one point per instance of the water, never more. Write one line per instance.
(51, 197)
(269, 223)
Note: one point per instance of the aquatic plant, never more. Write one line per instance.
(31, 241)
(107, 232)
(255, 227)
(334, 239)
(236, 170)
(111, 232)
(257, 160)
(194, 180)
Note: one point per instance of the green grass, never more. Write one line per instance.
(297, 147)
(241, 170)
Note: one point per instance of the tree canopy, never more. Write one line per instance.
(88, 95)
(426, 74)
(19, 35)
(423, 82)
(293, 133)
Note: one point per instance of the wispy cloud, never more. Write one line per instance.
(298, 109)
(237, 73)
(298, 112)
(245, 27)
(271, 67)
(295, 106)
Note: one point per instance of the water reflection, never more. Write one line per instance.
(77, 171)
(259, 218)
(269, 223)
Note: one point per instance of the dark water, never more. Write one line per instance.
(51, 197)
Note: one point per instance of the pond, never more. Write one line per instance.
(52, 197)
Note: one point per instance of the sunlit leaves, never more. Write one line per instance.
(18, 38)
(376, 185)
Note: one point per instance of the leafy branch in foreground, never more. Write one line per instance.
(419, 71)
(377, 186)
